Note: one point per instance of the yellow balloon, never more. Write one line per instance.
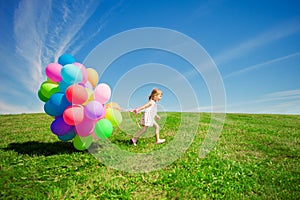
(90, 96)
(114, 116)
(93, 76)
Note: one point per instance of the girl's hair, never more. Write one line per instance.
(154, 92)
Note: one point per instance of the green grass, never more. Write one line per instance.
(257, 157)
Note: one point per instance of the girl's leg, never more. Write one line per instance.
(136, 137)
(158, 140)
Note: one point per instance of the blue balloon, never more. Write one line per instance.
(63, 86)
(65, 59)
(57, 104)
(69, 136)
(71, 74)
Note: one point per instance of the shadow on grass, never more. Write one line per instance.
(41, 148)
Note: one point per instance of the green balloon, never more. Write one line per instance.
(42, 97)
(82, 143)
(49, 88)
(103, 129)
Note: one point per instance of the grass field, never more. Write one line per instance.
(257, 157)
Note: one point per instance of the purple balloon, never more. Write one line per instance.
(59, 127)
(94, 110)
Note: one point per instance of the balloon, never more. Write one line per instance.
(59, 127)
(114, 116)
(42, 97)
(82, 143)
(93, 76)
(65, 59)
(76, 94)
(73, 115)
(63, 86)
(48, 89)
(102, 93)
(56, 105)
(85, 127)
(71, 74)
(90, 96)
(53, 72)
(69, 136)
(103, 129)
(93, 110)
(113, 105)
(83, 72)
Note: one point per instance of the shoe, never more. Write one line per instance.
(133, 141)
(160, 141)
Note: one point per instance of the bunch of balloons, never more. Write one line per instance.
(78, 103)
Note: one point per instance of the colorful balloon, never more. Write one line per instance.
(59, 126)
(63, 86)
(93, 110)
(47, 89)
(76, 94)
(90, 96)
(65, 59)
(56, 105)
(73, 115)
(82, 143)
(71, 74)
(102, 93)
(42, 97)
(69, 136)
(93, 76)
(114, 116)
(85, 127)
(103, 129)
(83, 72)
(53, 72)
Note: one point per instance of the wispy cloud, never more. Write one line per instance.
(254, 67)
(287, 102)
(43, 30)
(276, 33)
(30, 21)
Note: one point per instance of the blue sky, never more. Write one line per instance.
(254, 44)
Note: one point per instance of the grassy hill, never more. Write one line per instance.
(256, 157)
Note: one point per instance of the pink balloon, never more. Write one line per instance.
(85, 127)
(102, 93)
(83, 71)
(53, 72)
(73, 115)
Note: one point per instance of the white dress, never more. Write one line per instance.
(149, 114)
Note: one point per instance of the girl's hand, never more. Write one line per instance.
(157, 117)
(135, 111)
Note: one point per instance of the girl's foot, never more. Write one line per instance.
(160, 141)
(133, 141)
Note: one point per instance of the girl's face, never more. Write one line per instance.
(157, 97)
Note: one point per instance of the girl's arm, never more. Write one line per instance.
(142, 107)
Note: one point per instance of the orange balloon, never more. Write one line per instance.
(93, 76)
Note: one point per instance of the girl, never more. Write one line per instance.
(150, 112)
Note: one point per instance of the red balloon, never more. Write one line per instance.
(73, 115)
(76, 94)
